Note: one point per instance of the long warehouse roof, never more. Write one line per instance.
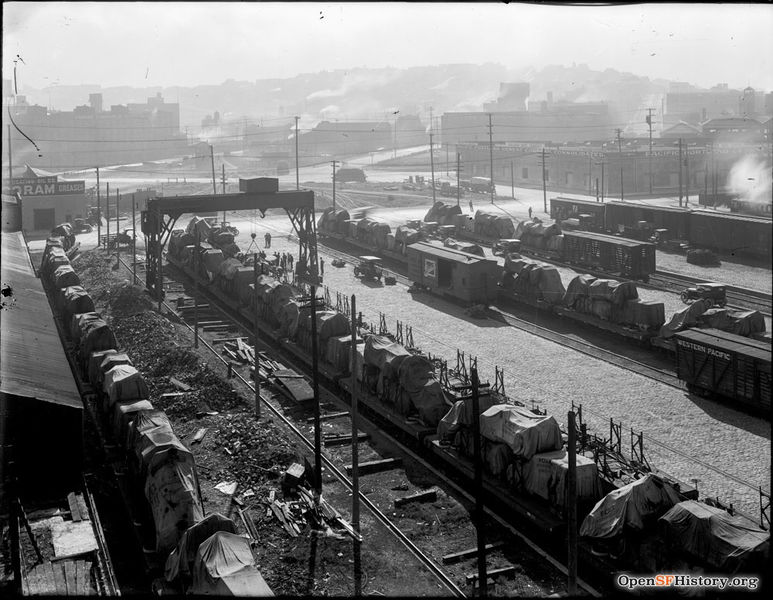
(32, 359)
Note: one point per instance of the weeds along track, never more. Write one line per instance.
(381, 438)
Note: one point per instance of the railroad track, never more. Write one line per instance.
(436, 570)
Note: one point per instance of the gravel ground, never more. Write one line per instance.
(690, 429)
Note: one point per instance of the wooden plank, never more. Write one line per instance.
(199, 435)
(69, 576)
(79, 577)
(376, 466)
(225, 340)
(456, 557)
(329, 416)
(343, 440)
(82, 508)
(180, 385)
(425, 496)
(226, 327)
(174, 394)
(74, 509)
(61, 585)
(492, 574)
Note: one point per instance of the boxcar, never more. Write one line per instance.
(717, 363)
(628, 214)
(615, 255)
(570, 208)
(731, 233)
(454, 273)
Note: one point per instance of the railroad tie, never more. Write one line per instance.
(376, 466)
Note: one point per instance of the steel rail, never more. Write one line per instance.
(421, 556)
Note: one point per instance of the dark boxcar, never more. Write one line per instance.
(570, 208)
(628, 214)
(717, 363)
(453, 273)
(615, 255)
(732, 234)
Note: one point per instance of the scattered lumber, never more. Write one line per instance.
(344, 439)
(376, 466)
(180, 385)
(329, 416)
(199, 435)
(425, 496)
(449, 559)
(492, 574)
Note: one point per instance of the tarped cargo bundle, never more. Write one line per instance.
(171, 489)
(545, 475)
(460, 415)
(220, 237)
(264, 287)
(716, 318)
(186, 254)
(78, 323)
(712, 535)
(406, 235)
(56, 257)
(224, 566)
(350, 230)
(555, 242)
(200, 225)
(623, 291)
(434, 212)
(113, 359)
(339, 351)
(601, 308)
(687, 317)
(514, 262)
(63, 229)
(95, 360)
(74, 300)
(211, 260)
(143, 422)
(498, 457)
(280, 293)
(744, 323)
(551, 286)
(464, 222)
(124, 413)
(287, 314)
(646, 315)
(335, 325)
(468, 247)
(601, 289)
(429, 399)
(53, 242)
(359, 361)
(324, 218)
(228, 268)
(414, 372)
(180, 561)
(629, 506)
(244, 277)
(96, 335)
(178, 240)
(380, 351)
(123, 383)
(231, 250)
(65, 276)
(525, 433)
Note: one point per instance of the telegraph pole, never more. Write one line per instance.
(458, 172)
(544, 184)
(117, 220)
(649, 123)
(315, 384)
(10, 165)
(432, 163)
(687, 177)
(107, 215)
(99, 204)
(602, 181)
(491, 155)
(255, 335)
(196, 290)
(477, 453)
(355, 427)
(297, 167)
(620, 155)
(512, 180)
(571, 523)
(334, 162)
(590, 174)
(134, 240)
(223, 182)
(680, 172)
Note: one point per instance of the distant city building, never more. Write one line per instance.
(734, 129)
(512, 97)
(681, 130)
(346, 138)
(410, 131)
(90, 136)
(696, 106)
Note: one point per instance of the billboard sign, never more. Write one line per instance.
(47, 186)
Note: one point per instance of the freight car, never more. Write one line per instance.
(732, 234)
(724, 365)
(624, 216)
(590, 214)
(449, 272)
(619, 256)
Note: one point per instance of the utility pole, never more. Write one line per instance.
(512, 179)
(432, 163)
(680, 172)
(602, 181)
(255, 336)
(649, 123)
(571, 522)
(117, 214)
(491, 155)
(196, 290)
(394, 153)
(223, 182)
(315, 383)
(687, 177)
(10, 165)
(107, 215)
(447, 164)
(134, 240)
(334, 163)
(458, 173)
(620, 158)
(544, 184)
(214, 184)
(99, 205)
(590, 174)
(297, 166)
(482, 577)
(355, 428)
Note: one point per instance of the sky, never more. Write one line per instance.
(179, 43)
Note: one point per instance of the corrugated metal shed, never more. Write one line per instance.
(32, 359)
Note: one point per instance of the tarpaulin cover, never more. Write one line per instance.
(498, 456)
(629, 506)
(211, 260)
(172, 492)
(514, 263)
(186, 254)
(279, 293)
(228, 268)
(640, 313)
(65, 276)
(108, 362)
(124, 413)
(96, 335)
(264, 287)
(53, 242)
(74, 300)
(180, 561)
(525, 433)
(287, 314)
(339, 351)
(199, 224)
(713, 535)
(602, 289)
(224, 566)
(744, 323)
(460, 415)
(623, 291)
(687, 317)
(145, 421)
(431, 402)
(95, 360)
(123, 383)
(64, 229)
(551, 286)
(545, 475)
(179, 240)
(220, 237)
(51, 261)
(78, 324)
(380, 350)
(333, 325)
(406, 234)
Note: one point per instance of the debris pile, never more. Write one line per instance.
(127, 300)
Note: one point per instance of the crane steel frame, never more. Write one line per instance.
(160, 215)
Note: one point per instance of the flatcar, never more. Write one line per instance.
(615, 255)
(455, 273)
(591, 214)
(720, 364)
